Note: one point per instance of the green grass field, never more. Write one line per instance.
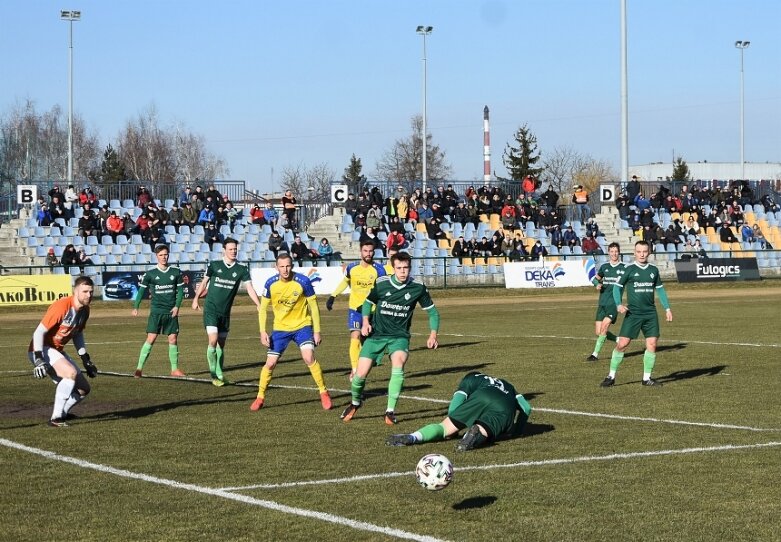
(164, 459)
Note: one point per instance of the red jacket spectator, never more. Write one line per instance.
(509, 208)
(257, 216)
(395, 240)
(528, 184)
(114, 223)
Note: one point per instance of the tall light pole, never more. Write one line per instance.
(624, 99)
(742, 45)
(424, 31)
(70, 16)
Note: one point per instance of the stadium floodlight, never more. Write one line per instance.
(70, 16)
(424, 31)
(742, 45)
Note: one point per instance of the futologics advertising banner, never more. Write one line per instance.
(717, 269)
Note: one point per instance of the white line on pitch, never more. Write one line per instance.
(222, 493)
(540, 463)
(445, 402)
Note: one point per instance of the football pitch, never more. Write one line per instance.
(160, 458)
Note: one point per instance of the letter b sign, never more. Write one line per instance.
(607, 192)
(26, 194)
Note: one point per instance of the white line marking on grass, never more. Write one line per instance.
(567, 337)
(446, 401)
(271, 505)
(539, 463)
(655, 420)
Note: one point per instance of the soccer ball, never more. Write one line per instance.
(434, 472)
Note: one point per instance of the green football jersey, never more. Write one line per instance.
(224, 282)
(640, 283)
(163, 287)
(475, 381)
(395, 305)
(610, 274)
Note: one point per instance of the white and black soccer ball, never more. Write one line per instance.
(434, 472)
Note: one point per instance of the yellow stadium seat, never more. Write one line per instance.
(484, 218)
(421, 227)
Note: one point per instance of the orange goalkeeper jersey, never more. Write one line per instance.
(62, 321)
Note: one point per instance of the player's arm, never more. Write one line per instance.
(433, 324)
(179, 299)
(139, 296)
(199, 290)
(366, 312)
(329, 304)
(668, 313)
(81, 348)
(597, 280)
(253, 295)
(314, 310)
(262, 314)
(42, 367)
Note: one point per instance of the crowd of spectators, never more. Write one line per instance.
(693, 210)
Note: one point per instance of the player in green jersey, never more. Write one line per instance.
(166, 287)
(607, 312)
(640, 280)
(489, 407)
(395, 298)
(225, 276)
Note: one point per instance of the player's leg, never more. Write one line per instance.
(305, 340)
(399, 355)
(152, 330)
(264, 380)
(354, 322)
(173, 354)
(372, 349)
(606, 315)
(66, 371)
(630, 329)
(80, 391)
(651, 334)
(219, 356)
(428, 433)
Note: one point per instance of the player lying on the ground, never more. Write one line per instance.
(489, 407)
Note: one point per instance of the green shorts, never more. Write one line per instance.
(635, 323)
(491, 407)
(607, 311)
(221, 321)
(375, 348)
(162, 323)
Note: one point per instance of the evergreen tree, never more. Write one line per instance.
(519, 161)
(112, 173)
(352, 177)
(680, 170)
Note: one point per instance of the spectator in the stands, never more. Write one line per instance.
(70, 257)
(759, 237)
(671, 238)
(528, 185)
(71, 200)
(434, 231)
(325, 251)
(556, 236)
(518, 251)
(51, 259)
(256, 215)
(214, 194)
(590, 246)
(289, 205)
(299, 251)
(271, 215)
(747, 233)
(114, 226)
(143, 197)
(370, 236)
(539, 250)
(692, 227)
(83, 259)
(483, 247)
(374, 217)
(395, 240)
(206, 217)
(726, 235)
(276, 243)
(459, 250)
(185, 196)
(199, 194)
(549, 199)
(593, 228)
(44, 216)
(632, 188)
(176, 217)
(212, 235)
(424, 213)
(57, 210)
(402, 209)
(351, 205)
(496, 205)
(142, 225)
(88, 225)
(570, 238)
(189, 215)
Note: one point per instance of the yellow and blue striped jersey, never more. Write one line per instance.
(290, 303)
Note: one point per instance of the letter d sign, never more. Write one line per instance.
(26, 194)
(607, 192)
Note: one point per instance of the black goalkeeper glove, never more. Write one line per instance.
(89, 367)
(42, 367)
(330, 303)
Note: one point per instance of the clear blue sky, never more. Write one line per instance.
(276, 84)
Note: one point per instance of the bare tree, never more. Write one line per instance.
(320, 178)
(403, 163)
(591, 172)
(560, 167)
(294, 179)
(192, 159)
(35, 146)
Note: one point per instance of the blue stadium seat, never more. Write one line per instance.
(92, 240)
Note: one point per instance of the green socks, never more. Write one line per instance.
(211, 358)
(173, 356)
(649, 360)
(394, 387)
(616, 360)
(600, 342)
(428, 433)
(356, 388)
(142, 357)
(220, 361)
